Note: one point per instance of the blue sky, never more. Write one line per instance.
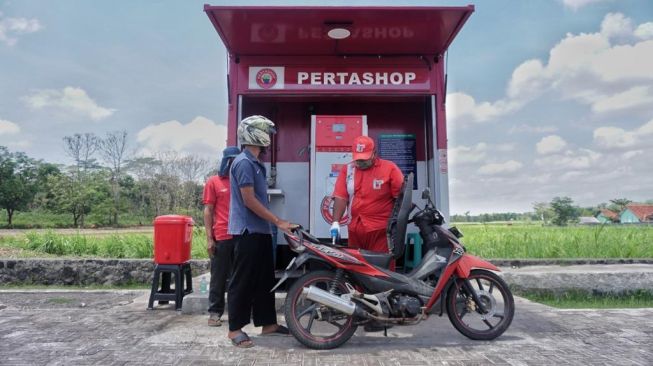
(546, 97)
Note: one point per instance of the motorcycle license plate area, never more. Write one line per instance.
(385, 79)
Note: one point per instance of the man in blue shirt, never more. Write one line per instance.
(249, 217)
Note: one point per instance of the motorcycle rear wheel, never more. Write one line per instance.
(465, 314)
(312, 324)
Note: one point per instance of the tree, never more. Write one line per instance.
(563, 210)
(75, 197)
(144, 169)
(113, 148)
(82, 148)
(160, 181)
(75, 192)
(542, 211)
(191, 169)
(619, 204)
(43, 194)
(18, 177)
(587, 211)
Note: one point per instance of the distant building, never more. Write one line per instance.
(588, 220)
(637, 213)
(607, 216)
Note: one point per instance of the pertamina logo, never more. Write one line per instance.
(266, 78)
(326, 209)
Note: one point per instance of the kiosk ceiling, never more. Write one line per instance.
(284, 31)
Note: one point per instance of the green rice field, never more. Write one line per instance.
(531, 241)
(491, 241)
(119, 245)
(583, 300)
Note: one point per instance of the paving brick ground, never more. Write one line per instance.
(113, 328)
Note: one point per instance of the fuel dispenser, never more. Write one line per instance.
(331, 140)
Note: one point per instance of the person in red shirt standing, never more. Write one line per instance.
(369, 185)
(220, 246)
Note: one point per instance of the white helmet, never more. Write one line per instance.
(255, 130)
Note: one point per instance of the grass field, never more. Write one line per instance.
(532, 241)
(127, 245)
(49, 220)
(492, 241)
(583, 300)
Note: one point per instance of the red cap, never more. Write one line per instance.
(362, 148)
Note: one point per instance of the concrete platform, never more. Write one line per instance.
(598, 278)
(112, 329)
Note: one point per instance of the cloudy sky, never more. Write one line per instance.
(546, 98)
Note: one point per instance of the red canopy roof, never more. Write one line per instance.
(303, 30)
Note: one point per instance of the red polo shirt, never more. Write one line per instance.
(216, 193)
(374, 191)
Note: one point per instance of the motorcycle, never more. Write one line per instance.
(339, 289)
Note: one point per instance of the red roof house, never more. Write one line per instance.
(607, 216)
(636, 213)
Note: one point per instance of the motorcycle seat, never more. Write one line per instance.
(378, 259)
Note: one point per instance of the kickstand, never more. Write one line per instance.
(385, 331)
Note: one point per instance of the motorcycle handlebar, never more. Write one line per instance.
(297, 229)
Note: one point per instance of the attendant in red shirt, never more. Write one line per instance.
(219, 244)
(369, 185)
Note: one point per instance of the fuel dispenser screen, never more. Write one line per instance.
(336, 133)
(332, 137)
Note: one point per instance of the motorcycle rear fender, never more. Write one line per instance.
(468, 262)
(296, 264)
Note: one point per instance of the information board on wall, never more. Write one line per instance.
(400, 149)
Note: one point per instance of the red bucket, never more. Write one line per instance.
(173, 237)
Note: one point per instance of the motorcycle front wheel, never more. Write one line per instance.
(466, 315)
(314, 325)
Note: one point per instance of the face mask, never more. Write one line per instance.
(364, 164)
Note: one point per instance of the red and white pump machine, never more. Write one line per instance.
(331, 140)
(325, 75)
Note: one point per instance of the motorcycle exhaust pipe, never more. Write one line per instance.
(332, 301)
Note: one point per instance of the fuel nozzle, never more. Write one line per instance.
(335, 233)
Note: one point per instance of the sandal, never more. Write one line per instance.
(214, 320)
(280, 331)
(241, 341)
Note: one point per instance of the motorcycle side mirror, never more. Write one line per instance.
(426, 194)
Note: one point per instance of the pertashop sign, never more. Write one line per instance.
(355, 78)
(325, 78)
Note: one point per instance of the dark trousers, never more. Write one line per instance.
(223, 254)
(251, 281)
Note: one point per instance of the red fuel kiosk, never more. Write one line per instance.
(327, 74)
